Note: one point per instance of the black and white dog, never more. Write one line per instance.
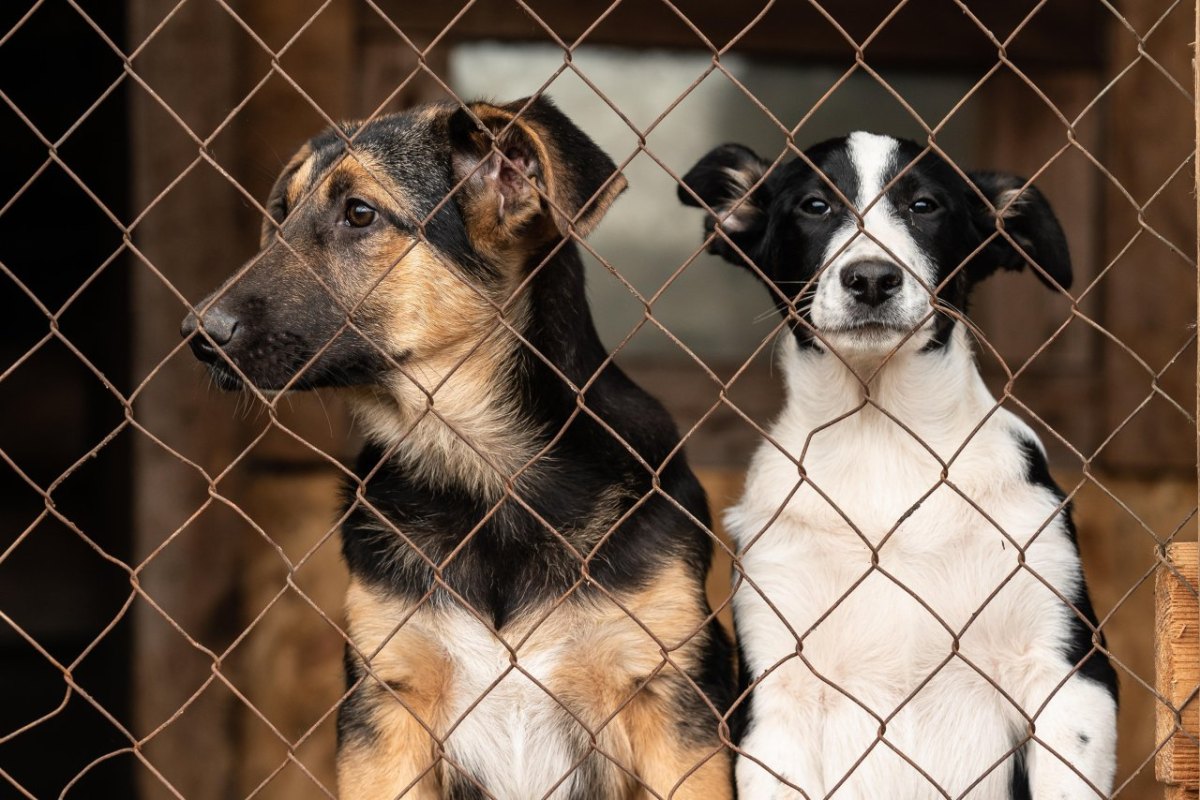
(913, 620)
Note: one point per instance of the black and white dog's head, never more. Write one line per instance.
(870, 238)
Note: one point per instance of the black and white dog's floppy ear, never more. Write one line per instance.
(1025, 217)
(724, 180)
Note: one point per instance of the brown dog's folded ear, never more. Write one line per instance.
(527, 162)
(1031, 234)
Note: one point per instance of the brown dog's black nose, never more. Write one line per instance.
(220, 326)
(872, 282)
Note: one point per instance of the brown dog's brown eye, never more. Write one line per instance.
(359, 214)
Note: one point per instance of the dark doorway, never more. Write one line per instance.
(60, 253)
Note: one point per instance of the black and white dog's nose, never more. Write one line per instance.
(872, 282)
(220, 326)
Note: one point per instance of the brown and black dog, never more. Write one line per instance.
(525, 540)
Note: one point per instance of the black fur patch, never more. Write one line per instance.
(743, 716)
(460, 787)
(354, 714)
(1079, 649)
(1020, 776)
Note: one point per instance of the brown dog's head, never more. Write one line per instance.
(403, 246)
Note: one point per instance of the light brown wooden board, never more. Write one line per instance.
(1181, 793)
(1177, 667)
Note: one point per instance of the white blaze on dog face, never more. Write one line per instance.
(882, 250)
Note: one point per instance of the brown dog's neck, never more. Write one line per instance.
(565, 349)
(477, 414)
(453, 420)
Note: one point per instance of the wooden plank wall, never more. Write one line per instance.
(1149, 294)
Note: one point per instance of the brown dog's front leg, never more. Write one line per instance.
(384, 752)
(387, 725)
(665, 751)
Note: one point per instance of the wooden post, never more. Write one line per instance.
(1177, 611)
(1149, 292)
(1177, 666)
(187, 236)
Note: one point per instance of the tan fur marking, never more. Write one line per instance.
(410, 661)
(599, 206)
(457, 357)
(372, 183)
(431, 112)
(556, 184)
(563, 187)
(494, 232)
(1009, 202)
(662, 760)
(383, 768)
(609, 668)
(504, 229)
(406, 655)
(298, 162)
(731, 219)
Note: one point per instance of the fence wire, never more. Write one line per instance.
(138, 744)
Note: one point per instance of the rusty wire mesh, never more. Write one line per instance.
(138, 740)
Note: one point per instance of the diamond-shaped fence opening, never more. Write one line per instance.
(438, 549)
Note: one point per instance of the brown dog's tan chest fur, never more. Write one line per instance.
(592, 674)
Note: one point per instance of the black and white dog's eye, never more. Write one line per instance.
(814, 206)
(359, 214)
(923, 205)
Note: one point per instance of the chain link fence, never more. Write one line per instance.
(206, 659)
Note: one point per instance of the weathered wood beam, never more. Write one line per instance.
(1149, 288)
(1177, 669)
(922, 34)
(188, 231)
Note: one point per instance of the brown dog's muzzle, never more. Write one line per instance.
(221, 327)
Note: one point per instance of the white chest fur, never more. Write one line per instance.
(888, 594)
(501, 708)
